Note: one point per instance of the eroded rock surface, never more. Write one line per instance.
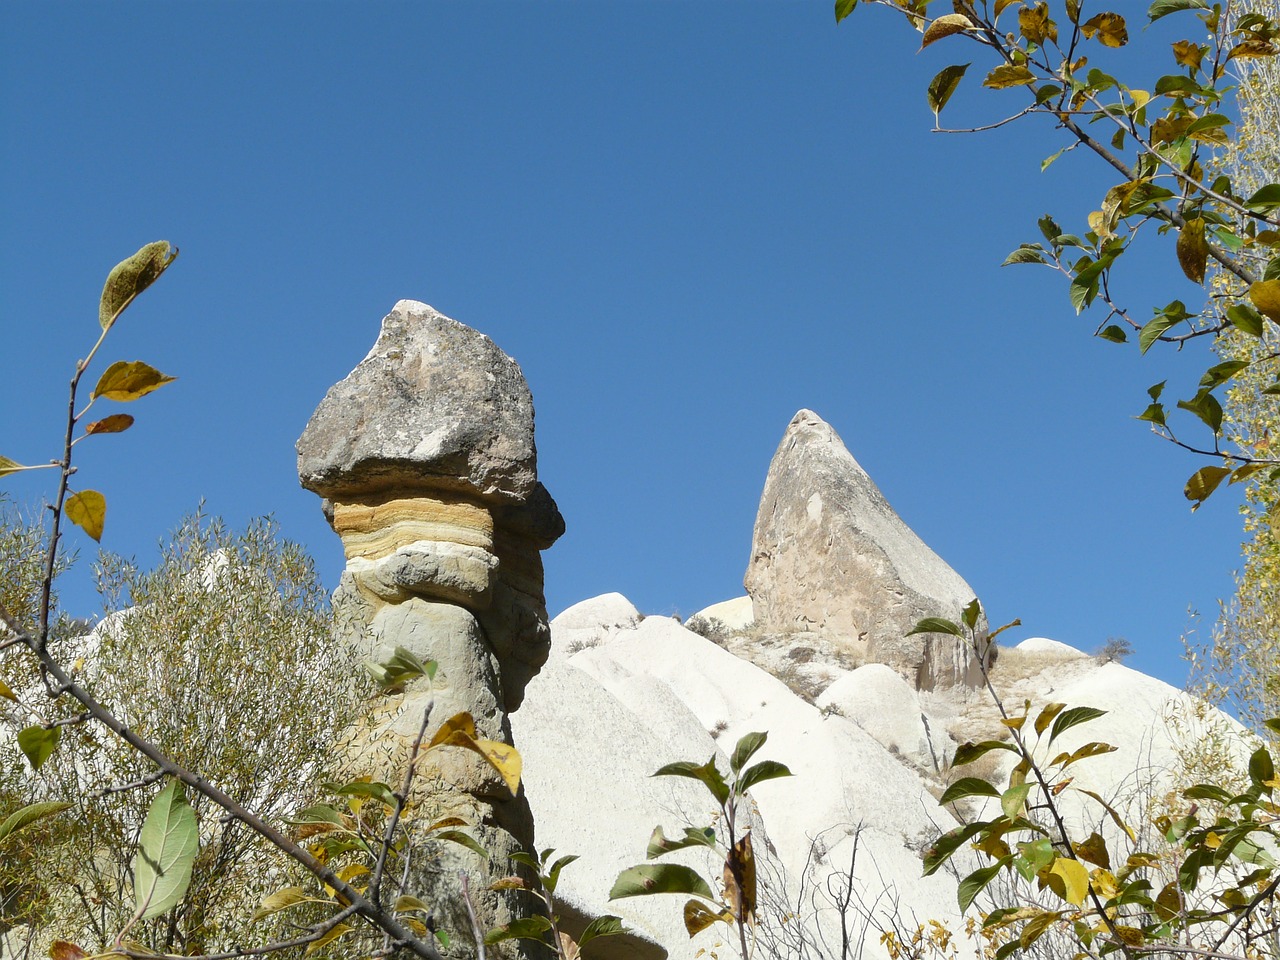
(829, 556)
(425, 458)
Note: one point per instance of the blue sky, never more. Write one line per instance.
(685, 220)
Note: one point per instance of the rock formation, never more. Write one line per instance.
(829, 556)
(425, 458)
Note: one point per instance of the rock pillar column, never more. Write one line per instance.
(425, 458)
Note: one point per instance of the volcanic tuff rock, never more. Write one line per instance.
(830, 556)
(425, 457)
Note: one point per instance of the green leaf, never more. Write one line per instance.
(1172, 315)
(25, 816)
(38, 743)
(127, 380)
(88, 511)
(973, 884)
(1265, 200)
(1162, 8)
(1245, 319)
(1026, 253)
(942, 86)
(1035, 928)
(462, 840)
(1205, 406)
(402, 666)
(746, 749)
(1049, 227)
(937, 625)
(130, 277)
(968, 787)
(363, 788)
(971, 613)
(605, 926)
(1262, 769)
(844, 8)
(552, 878)
(693, 837)
(949, 843)
(1072, 718)
(647, 878)
(526, 928)
(1047, 161)
(1113, 333)
(167, 849)
(1014, 799)
(706, 773)
(1220, 373)
(1156, 389)
(969, 752)
(762, 771)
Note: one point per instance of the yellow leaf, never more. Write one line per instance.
(460, 731)
(1193, 251)
(281, 900)
(1104, 883)
(129, 380)
(88, 510)
(504, 758)
(1109, 29)
(1188, 54)
(328, 938)
(697, 917)
(116, 423)
(1140, 97)
(1265, 295)
(1074, 877)
(740, 880)
(1035, 25)
(1000, 7)
(1253, 49)
(10, 466)
(945, 26)
(1007, 75)
(458, 723)
(128, 278)
(7, 692)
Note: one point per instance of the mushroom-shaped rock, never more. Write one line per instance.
(425, 458)
(830, 556)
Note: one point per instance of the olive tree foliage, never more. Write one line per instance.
(1240, 667)
(1160, 138)
(222, 658)
(158, 760)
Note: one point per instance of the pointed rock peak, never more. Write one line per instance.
(830, 556)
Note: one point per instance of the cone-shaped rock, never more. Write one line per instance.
(830, 556)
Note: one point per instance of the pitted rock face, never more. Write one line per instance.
(830, 556)
(434, 403)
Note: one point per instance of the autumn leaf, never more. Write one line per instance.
(1108, 28)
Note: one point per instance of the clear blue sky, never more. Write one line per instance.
(684, 220)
